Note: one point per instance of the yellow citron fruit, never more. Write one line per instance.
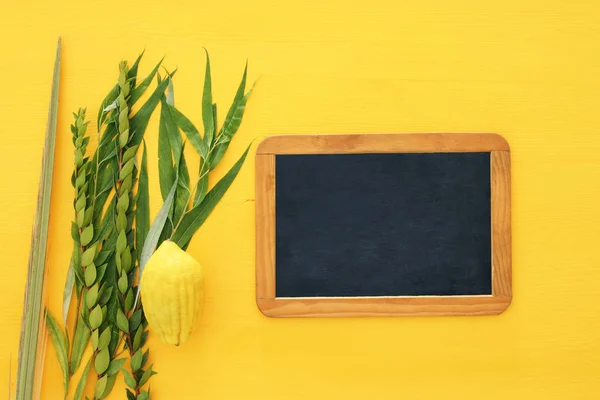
(172, 290)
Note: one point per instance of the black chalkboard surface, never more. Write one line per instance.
(383, 224)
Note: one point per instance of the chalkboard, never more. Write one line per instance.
(383, 225)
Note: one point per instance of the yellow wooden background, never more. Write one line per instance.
(528, 69)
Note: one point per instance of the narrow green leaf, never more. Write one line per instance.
(104, 295)
(101, 362)
(166, 171)
(136, 360)
(142, 212)
(207, 107)
(33, 317)
(143, 396)
(135, 320)
(138, 91)
(122, 321)
(139, 122)
(100, 386)
(190, 131)
(101, 271)
(110, 98)
(146, 375)
(145, 357)
(170, 93)
(68, 291)
(130, 395)
(80, 341)
(115, 366)
(202, 187)
(60, 343)
(153, 235)
(197, 215)
(107, 224)
(137, 339)
(182, 196)
(230, 127)
(129, 381)
(96, 317)
(82, 381)
(104, 339)
(132, 74)
(110, 384)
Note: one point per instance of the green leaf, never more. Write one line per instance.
(82, 381)
(138, 91)
(129, 380)
(136, 360)
(153, 235)
(80, 341)
(182, 196)
(101, 271)
(104, 294)
(91, 297)
(190, 131)
(146, 375)
(137, 339)
(86, 235)
(115, 366)
(96, 317)
(142, 212)
(135, 320)
(170, 93)
(143, 396)
(61, 344)
(166, 171)
(100, 386)
(122, 322)
(104, 339)
(33, 304)
(145, 357)
(139, 122)
(68, 291)
(101, 362)
(196, 216)
(88, 256)
(207, 106)
(202, 187)
(95, 338)
(132, 74)
(107, 224)
(130, 395)
(230, 126)
(110, 98)
(90, 275)
(110, 384)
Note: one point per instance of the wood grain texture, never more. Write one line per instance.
(265, 226)
(383, 306)
(501, 224)
(266, 268)
(382, 143)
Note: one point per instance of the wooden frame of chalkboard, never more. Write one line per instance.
(500, 212)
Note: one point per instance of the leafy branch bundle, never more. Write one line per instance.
(113, 239)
